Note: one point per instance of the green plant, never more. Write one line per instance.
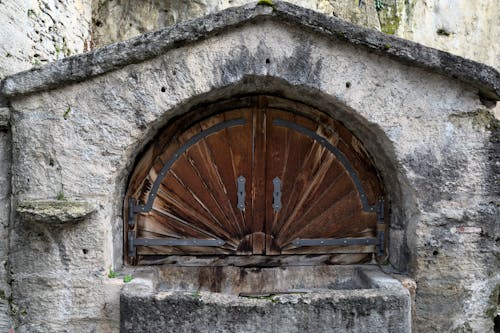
(379, 5)
(127, 278)
(196, 295)
(31, 12)
(66, 113)
(60, 196)
(112, 274)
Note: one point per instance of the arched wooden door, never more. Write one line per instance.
(258, 176)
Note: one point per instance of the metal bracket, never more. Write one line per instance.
(335, 241)
(131, 212)
(380, 233)
(241, 193)
(277, 194)
(177, 242)
(132, 250)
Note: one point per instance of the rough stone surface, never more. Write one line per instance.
(4, 118)
(434, 141)
(482, 77)
(54, 211)
(466, 28)
(32, 33)
(35, 32)
(462, 27)
(382, 306)
(118, 20)
(5, 164)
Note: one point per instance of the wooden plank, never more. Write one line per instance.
(257, 260)
(258, 194)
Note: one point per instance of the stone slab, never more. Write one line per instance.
(383, 307)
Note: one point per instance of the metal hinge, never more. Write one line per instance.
(335, 241)
(380, 227)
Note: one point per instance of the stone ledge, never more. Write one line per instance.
(55, 212)
(81, 67)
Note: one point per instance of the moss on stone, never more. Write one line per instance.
(266, 3)
(390, 18)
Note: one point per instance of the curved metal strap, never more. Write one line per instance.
(183, 148)
(335, 151)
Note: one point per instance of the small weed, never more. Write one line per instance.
(127, 278)
(379, 5)
(37, 62)
(8, 55)
(31, 13)
(112, 274)
(66, 113)
(387, 46)
(266, 3)
(60, 196)
(196, 296)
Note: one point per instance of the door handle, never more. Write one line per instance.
(277, 194)
(241, 193)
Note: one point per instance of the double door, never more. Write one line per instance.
(256, 180)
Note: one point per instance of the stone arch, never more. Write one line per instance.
(400, 202)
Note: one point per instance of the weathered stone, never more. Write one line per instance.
(54, 211)
(36, 32)
(4, 118)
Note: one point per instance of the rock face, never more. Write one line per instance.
(466, 28)
(36, 32)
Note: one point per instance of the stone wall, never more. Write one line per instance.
(5, 164)
(33, 33)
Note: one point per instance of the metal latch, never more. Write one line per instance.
(277, 194)
(241, 193)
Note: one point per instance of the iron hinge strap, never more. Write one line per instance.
(177, 242)
(131, 212)
(335, 241)
(380, 227)
(132, 251)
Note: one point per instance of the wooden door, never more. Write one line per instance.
(322, 172)
(260, 176)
